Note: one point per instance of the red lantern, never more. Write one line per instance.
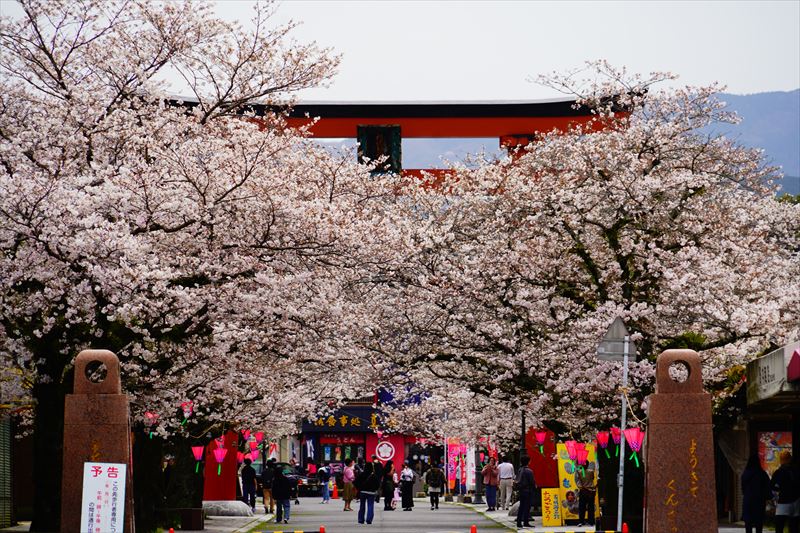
(197, 451)
(616, 435)
(635, 437)
(259, 436)
(572, 449)
(188, 409)
(582, 457)
(150, 420)
(219, 455)
(253, 446)
(379, 434)
(246, 434)
(239, 457)
(602, 441)
(540, 435)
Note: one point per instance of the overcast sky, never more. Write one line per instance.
(416, 50)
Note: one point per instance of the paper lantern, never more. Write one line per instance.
(253, 446)
(572, 449)
(602, 441)
(219, 455)
(150, 420)
(540, 435)
(379, 434)
(246, 434)
(220, 441)
(239, 457)
(582, 457)
(616, 436)
(197, 451)
(188, 409)
(635, 437)
(259, 436)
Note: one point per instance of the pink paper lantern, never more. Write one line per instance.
(602, 441)
(188, 409)
(239, 457)
(572, 449)
(219, 455)
(583, 456)
(540, 435)
(635, 438)
(259, 436)
(379, 434)
(198, 451)
(246, 434)
(150, 420)
(616, 435)
(253, 445)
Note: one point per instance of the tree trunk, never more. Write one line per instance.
(48, 445)
(148, 481)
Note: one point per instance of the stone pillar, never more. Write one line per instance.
(679, 479)
(96, 428)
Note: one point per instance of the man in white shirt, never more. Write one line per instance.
(506, 472)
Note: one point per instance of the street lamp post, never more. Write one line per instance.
(615, 346)
(478, 478)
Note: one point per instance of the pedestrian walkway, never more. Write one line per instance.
(510, 522)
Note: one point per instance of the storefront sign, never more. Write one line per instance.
(384, 450)
(331, 438)
(551, 508)
(352, 419)
(103, 503)
(767, 376)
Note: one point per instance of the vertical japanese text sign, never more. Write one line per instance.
(97, 448)
(103, 502)
(680, 449)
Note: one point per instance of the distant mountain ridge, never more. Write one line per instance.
(770, 121)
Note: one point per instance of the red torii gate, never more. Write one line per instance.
(380, 126)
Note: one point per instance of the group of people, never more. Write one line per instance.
(783, 488)
(501, 477)
(278, 489)
(373, 480)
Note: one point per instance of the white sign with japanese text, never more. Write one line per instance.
(103, 503)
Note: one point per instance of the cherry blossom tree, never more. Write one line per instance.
(206, 249)
(517, 268)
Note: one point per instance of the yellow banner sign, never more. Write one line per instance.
(551, 508)
(568, 481)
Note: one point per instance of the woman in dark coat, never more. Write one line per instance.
(755, 492)
(387, 486)
(407, 486)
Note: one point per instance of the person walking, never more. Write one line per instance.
(349, 491)
(407, 486)
(267, 476)
(367, 484)
(786, 482)
(434, 477)
(324, 476)
(377, 468)
(491, 480)
(282, 492)
(387, 485)
(506, 472)
(249, 484)
(587, 489)
(755, 493)
(526, 484)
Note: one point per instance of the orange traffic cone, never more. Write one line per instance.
(473, 529)
(335, 494)
(171, 530)
(321, 529)
(624, 527)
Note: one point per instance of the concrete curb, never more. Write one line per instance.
(483, 514)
